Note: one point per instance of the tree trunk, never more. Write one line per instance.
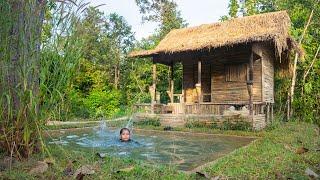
(294, 73)
(20, 76)
(117, 70)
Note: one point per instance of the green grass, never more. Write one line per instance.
(105, 168)
(273, 153)
(203, 130)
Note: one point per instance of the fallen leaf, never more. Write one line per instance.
(80, 176)
(101, 155)
(311, 173)
(49, 161)
(286, 146)
(278, 175)
(39, 168)
(215, 178)
(205, 175)
(302, 150)
(128, 169)
(68, 171)
(84, 170)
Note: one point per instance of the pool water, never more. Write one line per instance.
(185, 151)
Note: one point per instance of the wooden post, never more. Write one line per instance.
(171, 83)
(199, 82)
(250, 85)
(268, 113)
(154, 79)
(271, 112)
(199, 71)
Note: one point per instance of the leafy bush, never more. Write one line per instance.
(78, 109)
(228, 124)
(236, 125)
(196, 124)
(101, 103)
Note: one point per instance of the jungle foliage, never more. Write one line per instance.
(70, 61)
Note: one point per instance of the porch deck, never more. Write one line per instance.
(177, 114)
(203, 108)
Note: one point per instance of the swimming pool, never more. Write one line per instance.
(184, 150)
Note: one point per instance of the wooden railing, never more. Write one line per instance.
(143, 108)
(201, 108)
(223, 108)
(205, 108)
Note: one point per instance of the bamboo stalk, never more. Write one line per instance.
(294, 73)
(311, 65)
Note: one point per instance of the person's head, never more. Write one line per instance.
(124, 134)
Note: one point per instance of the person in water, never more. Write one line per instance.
(125, 135)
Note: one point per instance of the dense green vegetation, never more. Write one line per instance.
(71, 62)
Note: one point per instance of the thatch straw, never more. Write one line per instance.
(263, 27)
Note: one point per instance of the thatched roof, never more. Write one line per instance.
(263, 27)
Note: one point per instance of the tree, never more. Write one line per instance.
(163, 11)
(250, 7)
(233, 8)
(20, 33)
(121, 41)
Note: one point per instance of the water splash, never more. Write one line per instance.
(102, 129)
(129, 125)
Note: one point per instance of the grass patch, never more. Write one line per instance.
(228, 124)
(106, 168)
(273, 155)
(155, 122)
(203, 129)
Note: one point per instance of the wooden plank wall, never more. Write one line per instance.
(230, 92)
(268, 75)
(214, 79)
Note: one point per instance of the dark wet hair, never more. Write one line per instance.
(124, 129)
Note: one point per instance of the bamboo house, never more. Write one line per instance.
(228, 69)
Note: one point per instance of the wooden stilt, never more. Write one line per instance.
(199, 82)
(153, 94)
(268, 113)
(271, 112)
(171, 83)
(250, 86)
